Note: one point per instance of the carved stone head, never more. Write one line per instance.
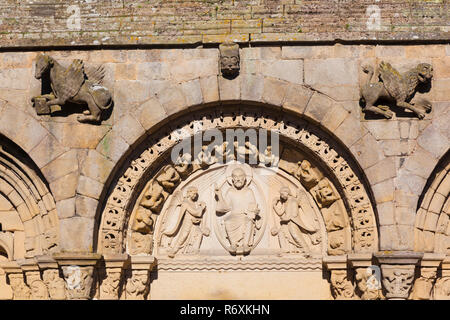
(425, 72)
(43, 63)
(229, 60)
(238, 177)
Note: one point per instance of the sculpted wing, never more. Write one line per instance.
(72, 80)
(95, 74)
(306, 218)
(176, 201)
(392, 79)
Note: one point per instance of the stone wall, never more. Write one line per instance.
(181, 22)
(397, 156)
(74, 176)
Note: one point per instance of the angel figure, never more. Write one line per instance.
(294, 222)
(188, 231)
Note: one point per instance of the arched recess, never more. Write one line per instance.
(128, 221)
(432, 226)
(28, 217)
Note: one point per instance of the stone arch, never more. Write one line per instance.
(432, 226)
(147, 160)
(27, 209)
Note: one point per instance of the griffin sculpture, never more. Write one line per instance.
(388, 84)
(76, 83)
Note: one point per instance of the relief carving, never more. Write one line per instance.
(55, 284)
(109, 288)
(77, 83)
(341, 287)
(442, 288)
(20, 290)
(368, 284)
(306, 174)
(423, 286)
(188, 231)
(163, 186)
(229, 60)
(294, 223)
(397, 281)
(78, 281)
(240, 212)
(137, 286)
(389, 84)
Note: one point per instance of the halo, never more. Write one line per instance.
(234, 165)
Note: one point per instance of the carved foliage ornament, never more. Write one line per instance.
(168, 177)
(77, 83)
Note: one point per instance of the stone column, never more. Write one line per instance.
(52, 278)
(342, 287)
(111, 285)
(367, 276)
(398, 270)
(16, 279)
(38, 288)
(78, 270)
(442, 286)
(138, 277)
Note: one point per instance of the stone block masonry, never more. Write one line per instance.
(189, 22)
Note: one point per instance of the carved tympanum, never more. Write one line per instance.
(387, 83)
(77, 83)
(149, 187)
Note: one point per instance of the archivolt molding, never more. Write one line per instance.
(28, 212)
(432, 227)
(120, 203)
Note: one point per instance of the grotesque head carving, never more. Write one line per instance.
(229, 60)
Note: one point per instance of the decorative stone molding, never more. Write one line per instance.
(38, 288)
(349, 190)
(424, 284)
(255, 264)
(111, 285)
(442, 286)
(398, 271)
(432, 225)
(21, 291)
(342, 287)
(367, 276)
(52, 278)
(138, 277)
(78, 270)
(31, 203)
